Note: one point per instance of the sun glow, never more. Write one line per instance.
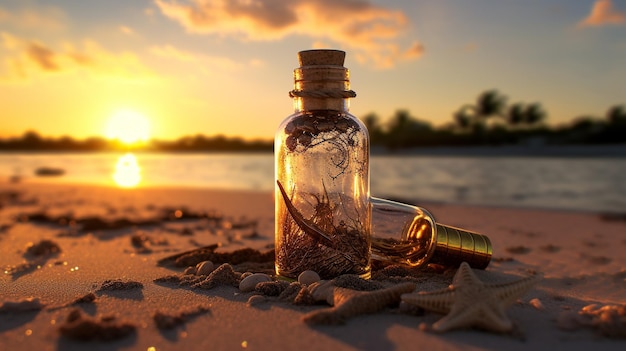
(128, 127)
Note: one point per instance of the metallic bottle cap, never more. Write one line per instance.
(456, 245)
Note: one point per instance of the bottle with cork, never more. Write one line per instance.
(322, 212)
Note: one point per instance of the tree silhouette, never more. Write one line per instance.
(475, 116)
(377, 134)
(520, 115)
(616, 115)
(405, 130)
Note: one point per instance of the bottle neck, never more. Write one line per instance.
(321, 88)
(301, 104)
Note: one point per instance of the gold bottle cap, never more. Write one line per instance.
(455, 246)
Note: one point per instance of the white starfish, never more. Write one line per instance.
(469, 302)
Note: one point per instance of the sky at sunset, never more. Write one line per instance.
(213, 67)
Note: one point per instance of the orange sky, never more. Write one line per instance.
(218, 67)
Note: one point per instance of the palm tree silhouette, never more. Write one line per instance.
(520, 114)
(475, 116)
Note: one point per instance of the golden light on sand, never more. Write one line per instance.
(127, 171)
(128, 127)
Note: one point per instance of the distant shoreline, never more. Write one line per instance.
(583, 151)
(604, 151)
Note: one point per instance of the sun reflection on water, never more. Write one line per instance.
(127, 171)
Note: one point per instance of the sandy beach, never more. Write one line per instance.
(89, 254)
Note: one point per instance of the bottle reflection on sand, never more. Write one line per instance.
(127, 171)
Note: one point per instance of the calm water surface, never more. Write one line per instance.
(558, 183)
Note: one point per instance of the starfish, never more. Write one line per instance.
(469, 302)
(348, 303)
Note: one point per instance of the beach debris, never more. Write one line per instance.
(249, 283)
(469, 302)
(24, 305)
(222, 275)
(117, 284)
(204, 268)
(598, 260)
(49, 171)
(165, 321)
(550, 248)
(308, 277)
(19, 270)
(194, 252)
(43, 248)
(291, 292)
(88, 298)
(207, 253)
(272, 288)
(37, 255)
(613, 217)
(143, 242)
(4, 227)
(354, 282)
(79, 326)
(518, 250)
(608, 320)
(348, 303)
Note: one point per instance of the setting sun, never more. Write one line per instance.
(128, 127)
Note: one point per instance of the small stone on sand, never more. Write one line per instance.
(308, 277)
(250, 282)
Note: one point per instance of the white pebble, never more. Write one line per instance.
(249, 283)
(204, 268)
(308, 277)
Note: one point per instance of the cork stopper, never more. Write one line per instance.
(322, 57)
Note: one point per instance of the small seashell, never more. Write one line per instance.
(256, 300)
(249, 283)
(536, 303)
(322, 291)
(308, 277)
(190, 270)
(204, 268)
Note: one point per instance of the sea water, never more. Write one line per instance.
(575, 183)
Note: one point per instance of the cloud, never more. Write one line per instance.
(38, 18)
(603, 13)
(370, 30)
(42, 56)
(207, 62)
(26, 58)
(126, 30)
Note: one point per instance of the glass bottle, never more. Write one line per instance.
(409, 235)
(322, 175)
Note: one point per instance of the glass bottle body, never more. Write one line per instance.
(322, 211)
